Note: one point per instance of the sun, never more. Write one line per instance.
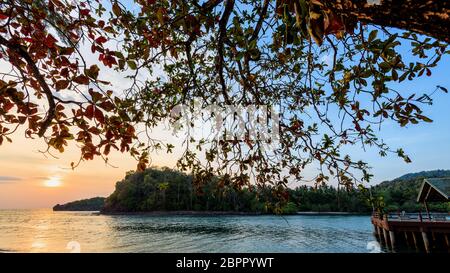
(53, 182)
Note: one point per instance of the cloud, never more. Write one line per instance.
(41, 178)
(9, 179)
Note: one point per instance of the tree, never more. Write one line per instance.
(221, 53)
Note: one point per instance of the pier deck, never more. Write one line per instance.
(430, 233)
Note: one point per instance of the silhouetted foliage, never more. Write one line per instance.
(336, 69)
(91, 204)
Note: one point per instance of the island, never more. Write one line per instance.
(91, 204)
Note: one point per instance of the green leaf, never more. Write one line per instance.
(372, 35)
(424, 118)
(132, 65)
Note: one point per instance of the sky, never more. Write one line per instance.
(29, 179)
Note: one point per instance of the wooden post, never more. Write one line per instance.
(406, 238)
(447, 241)
(379, 233)
(426, 242)
(392, 237)
(375, 231)
(428, 211)
(386, 240)
(415, 240)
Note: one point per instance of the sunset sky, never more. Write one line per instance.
(29, 179)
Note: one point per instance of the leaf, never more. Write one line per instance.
(160, 15)
(442, 88)
(96, 96)
(372, 35)
(132, 65)
(384, 66)
(66, 50)
(81, 79)
(424, 118)
(316, 32)
(394, 75)
(116, 9)
(99, 116)
(89, 113)
(92, 71)
(84, 12)
(50, 41)
(61, 84)
(101, 40)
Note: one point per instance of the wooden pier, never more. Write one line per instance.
(428, 233)
(397, 231)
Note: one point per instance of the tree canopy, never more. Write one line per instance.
(333, 68)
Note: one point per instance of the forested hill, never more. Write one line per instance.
(164, 189)
(424, 174)
(401, 193)
(91, 204)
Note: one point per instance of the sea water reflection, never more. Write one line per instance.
(48, 231)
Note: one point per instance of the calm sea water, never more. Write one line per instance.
(48, 231)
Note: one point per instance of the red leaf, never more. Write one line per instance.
(66, 50)
(62, 84)
(89, 113)
(101, 23)
(7, 106)
(84, 12)
(50, 41)
(3, 16)
(99, 116)
(101, 40)
(107, 149)
(81, 79)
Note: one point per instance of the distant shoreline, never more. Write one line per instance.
(229, 213)
(181, 213)
(337, 213)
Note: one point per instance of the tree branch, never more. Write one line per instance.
(37, 74)
(426, 17)
(222, 35)
(260, 21)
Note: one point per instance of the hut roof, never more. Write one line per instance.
(435, 190)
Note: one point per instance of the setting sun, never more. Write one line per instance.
(53, 182)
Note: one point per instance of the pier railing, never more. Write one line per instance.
(418, 217)
(424, 231)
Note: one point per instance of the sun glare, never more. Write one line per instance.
(53, 182)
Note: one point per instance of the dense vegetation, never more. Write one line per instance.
(92, 204)
(166, 189)
(401, 193)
